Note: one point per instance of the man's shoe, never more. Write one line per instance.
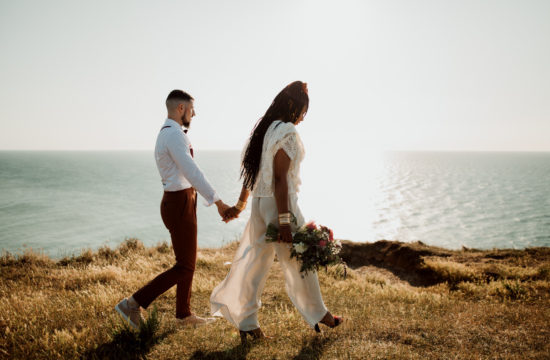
(129, 313)
(194, 320)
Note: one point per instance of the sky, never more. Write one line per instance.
(382, 75)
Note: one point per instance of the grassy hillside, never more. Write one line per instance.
(399, 300)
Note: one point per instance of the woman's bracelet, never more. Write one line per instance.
(284, 219)
(240, 205)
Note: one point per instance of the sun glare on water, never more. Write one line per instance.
(344, 196)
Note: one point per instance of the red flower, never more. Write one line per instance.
(311, 225)
(322, 243)
(331, 236)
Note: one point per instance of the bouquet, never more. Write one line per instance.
(313, 245)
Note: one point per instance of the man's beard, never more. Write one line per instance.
(185, 122)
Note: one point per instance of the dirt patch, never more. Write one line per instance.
(402, 259)
(408, 261)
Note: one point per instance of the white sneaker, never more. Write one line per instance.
(129, 313)
(195, 321)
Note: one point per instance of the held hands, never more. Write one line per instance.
(234, 211)
(227, 212)
(222, 209)
(231, 213)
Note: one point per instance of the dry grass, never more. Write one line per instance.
(479, 304)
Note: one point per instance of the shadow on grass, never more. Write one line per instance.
(239, 352)
(129, 344)
(313, 348)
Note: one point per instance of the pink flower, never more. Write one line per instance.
(311, 225)
(331, 236)
(322, 243)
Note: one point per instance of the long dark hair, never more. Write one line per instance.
(287, 107)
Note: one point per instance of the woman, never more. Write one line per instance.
(270, 170)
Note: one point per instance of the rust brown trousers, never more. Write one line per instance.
(178, 210)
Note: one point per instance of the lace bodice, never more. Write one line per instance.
(284, 136)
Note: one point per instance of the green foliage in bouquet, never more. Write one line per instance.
(312, 245)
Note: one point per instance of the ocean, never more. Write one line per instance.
(62, 202)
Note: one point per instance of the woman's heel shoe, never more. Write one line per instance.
(337, 321)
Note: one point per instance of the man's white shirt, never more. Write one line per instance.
(176, 166)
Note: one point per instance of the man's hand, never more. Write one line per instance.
(231, 214)
(285, 234)
(222, 208)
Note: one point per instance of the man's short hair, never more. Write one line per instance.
(176, 96)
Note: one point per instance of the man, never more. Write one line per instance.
(180, 178)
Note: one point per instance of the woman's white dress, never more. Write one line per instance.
(237, 297)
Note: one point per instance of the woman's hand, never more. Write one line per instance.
(285, 234)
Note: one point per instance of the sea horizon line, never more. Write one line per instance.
(233, 150)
